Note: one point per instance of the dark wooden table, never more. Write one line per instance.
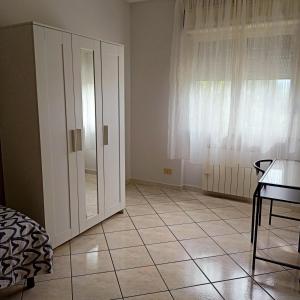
(280, 182)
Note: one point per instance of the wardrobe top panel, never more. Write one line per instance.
(59, 29)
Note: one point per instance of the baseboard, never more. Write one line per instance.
(226, 196)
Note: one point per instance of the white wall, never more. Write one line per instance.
(151, 36)
(103, 19)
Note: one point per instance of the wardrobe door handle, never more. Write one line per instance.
(73, 139)
(76, 137)
(79, 139)
(105, 135)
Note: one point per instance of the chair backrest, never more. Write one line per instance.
(257, 165)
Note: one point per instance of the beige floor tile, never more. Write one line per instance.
(179, 198)
(133, 193)
(89, 263)
(12, 293)
(191, 205)
(234, 243)
(140, 210)
(88, 243)
(61, 269)
(121, 239)
(154, 296)
(177, 195)
(280, 285)
(147, 221)
(277, 223)
(214, 228)
(121, 214)
(140, 281)
(289, 234)
(295, 273)
(295, 213)
(165, 207)
(64, 249)
(200, 292)
(58, 289)
(181, 274)
(156, 199)
(131, 189)
(197, 193)
(99, 286)
(175, 218)
(131, 257)
(167, 252)
(228, 213)
(261, 267)
(241, 204)
(120, 224)
(203, 247)
(187, 231)
(137, 199)
(94, 230)
(213, 202)
(287, 254)
(219, 268)
(243, 288)
(156, 235)
(267, 239)
(202, 215)
(146, 189)
(247, 211)
(281, 209)
(242, 225)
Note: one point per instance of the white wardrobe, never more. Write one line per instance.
(62, 127)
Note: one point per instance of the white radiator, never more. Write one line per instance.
(237, 181)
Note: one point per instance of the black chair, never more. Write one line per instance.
(272, 193)
(259, 171)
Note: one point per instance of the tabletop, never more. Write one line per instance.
(285, 173)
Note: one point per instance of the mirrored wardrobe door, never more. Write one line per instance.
(87, 137)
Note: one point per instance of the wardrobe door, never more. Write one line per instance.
(113, 126)
(89, 139)
(53, 58)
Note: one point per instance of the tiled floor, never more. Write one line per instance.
(172, 244)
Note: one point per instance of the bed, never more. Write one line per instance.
(25, 250)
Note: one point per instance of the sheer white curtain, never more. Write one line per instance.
(234, 81)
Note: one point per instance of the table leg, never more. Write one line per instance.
(270, 213)
(258, 208)
(259, 219)
(253, 215)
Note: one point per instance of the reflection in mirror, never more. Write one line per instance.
(89, 131)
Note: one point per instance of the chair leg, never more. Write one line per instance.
(30, 282)
(270, 213)
(253, 216)
(299, 243)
